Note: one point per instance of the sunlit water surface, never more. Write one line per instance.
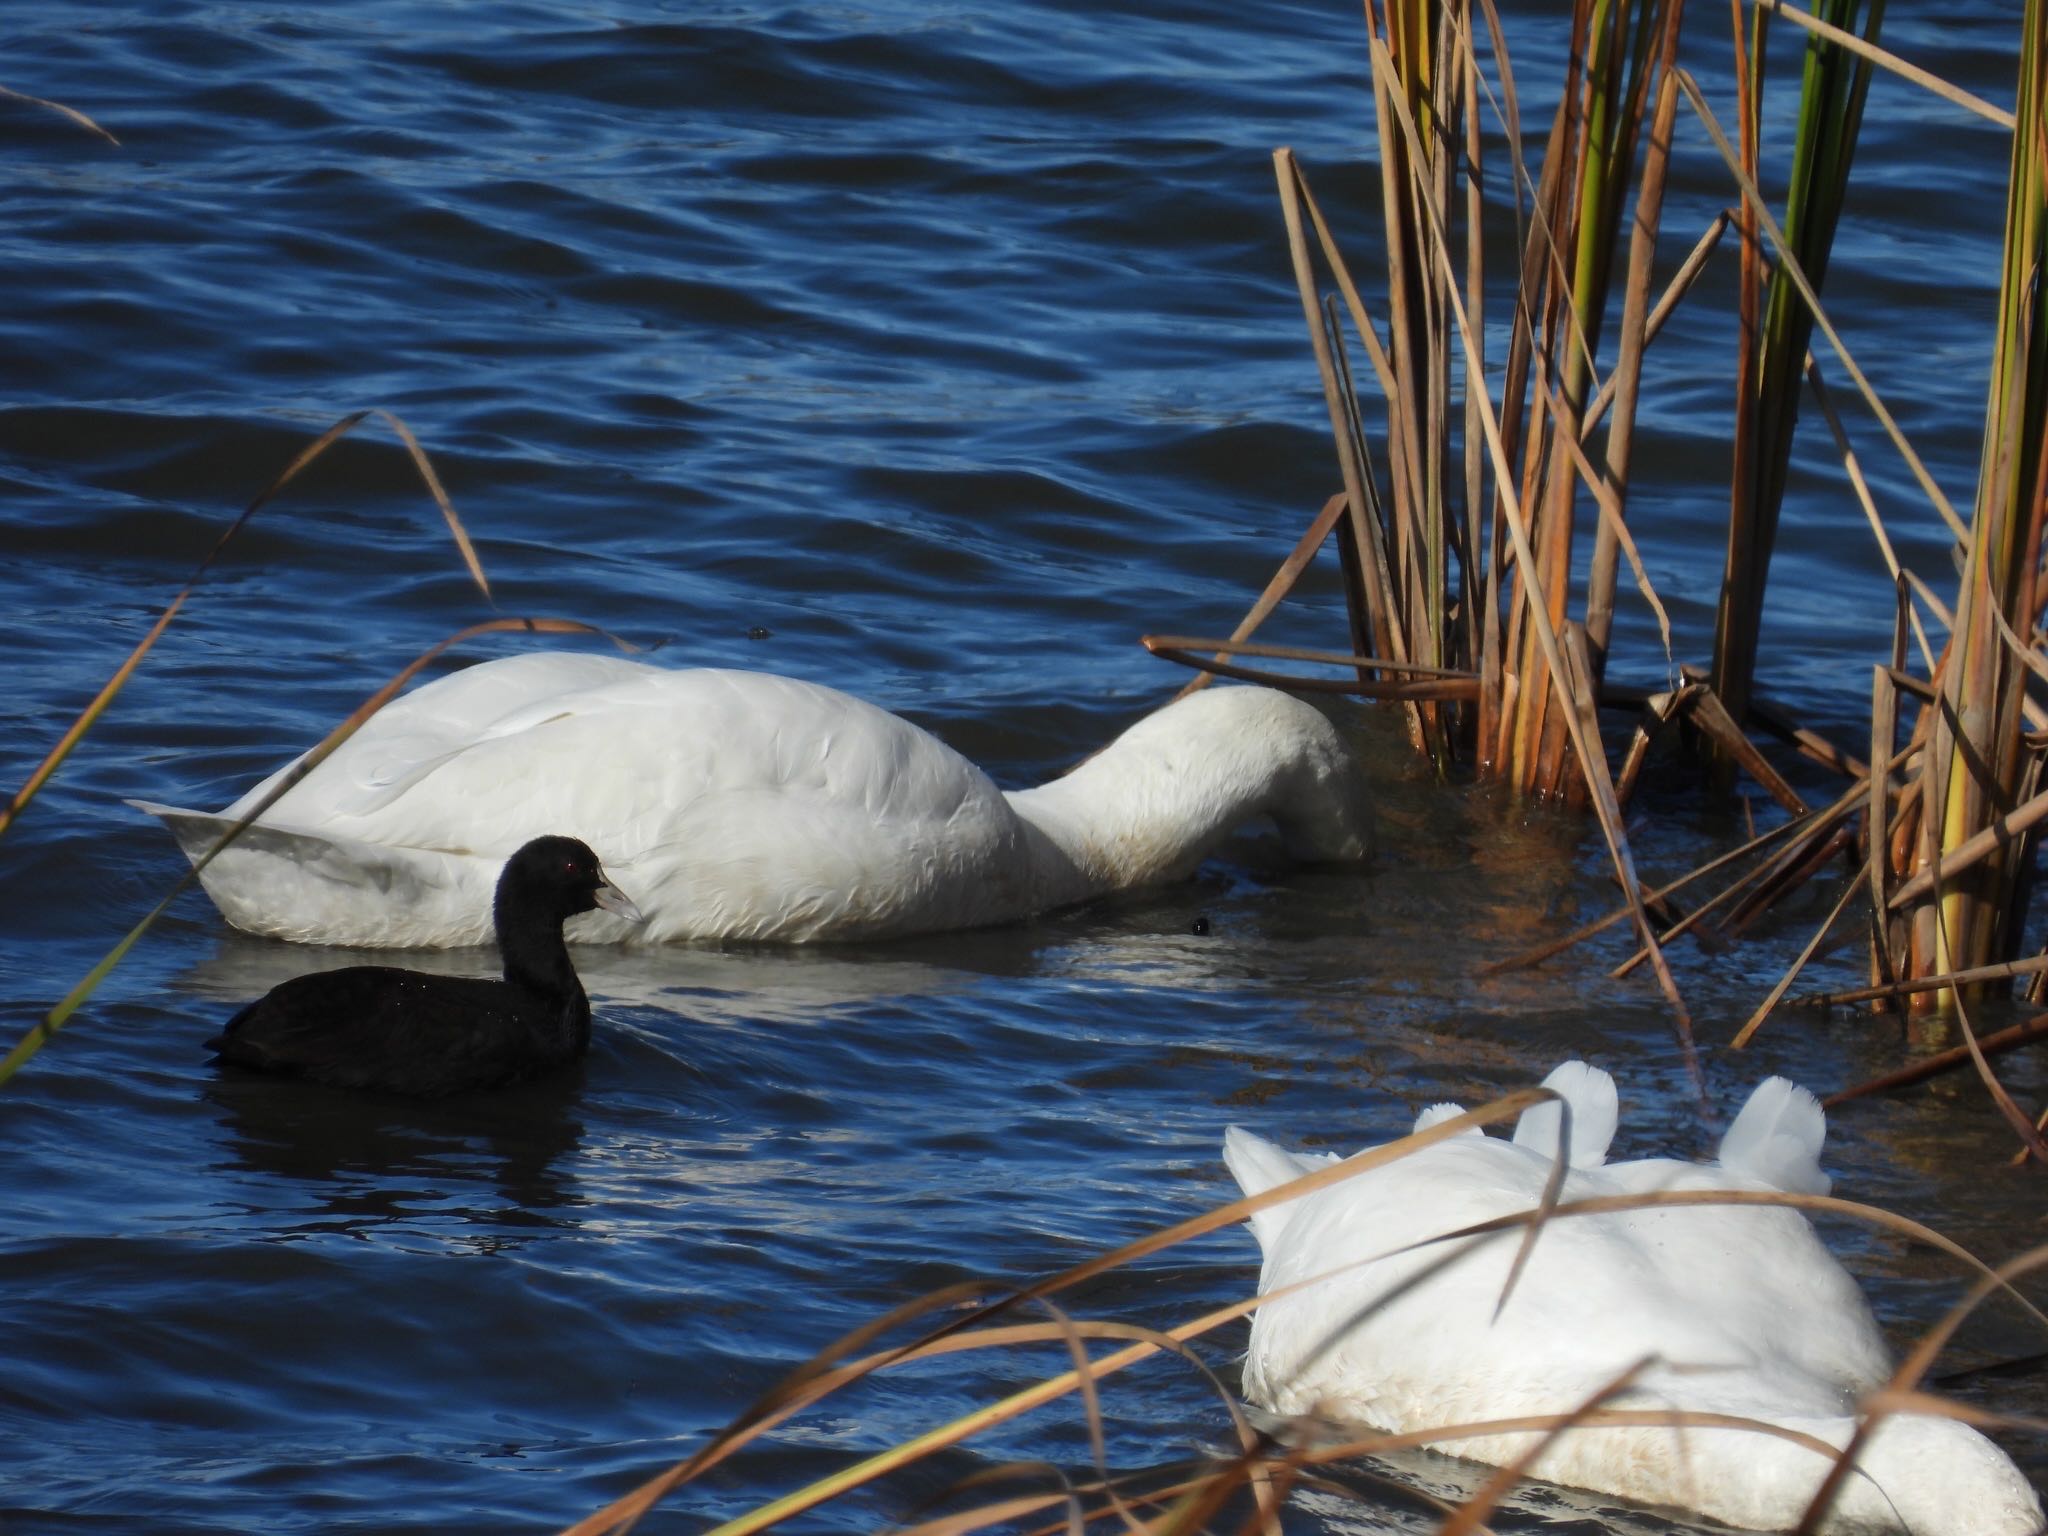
(930, 351)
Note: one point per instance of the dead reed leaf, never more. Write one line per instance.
(1431, 683)
(1789, 264)
(1784, 983)
(1861, 486)
(1909, 986)
(1680, 285)
(305, 456)
(61, 110)
(1944, 1061)
(2021, 1123)
(1282, 583)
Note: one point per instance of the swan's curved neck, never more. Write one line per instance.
(1159, 799)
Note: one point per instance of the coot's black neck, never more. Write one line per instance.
(537, 961)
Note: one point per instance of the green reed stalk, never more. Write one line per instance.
(1974, 770)
(1777, 327)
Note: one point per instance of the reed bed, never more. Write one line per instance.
(1457, 530)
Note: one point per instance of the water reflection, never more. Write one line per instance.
(1136, 936)
(1384, 1501)
(357, 1161)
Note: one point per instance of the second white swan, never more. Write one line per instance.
(1736, 1310)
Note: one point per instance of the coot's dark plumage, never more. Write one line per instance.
(376, 1026)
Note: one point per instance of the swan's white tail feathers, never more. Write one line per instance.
(290, 883)
(1258, 1166)
(1596, 1109)
(1777, 1138)
(1437, 1114)
(197, 831)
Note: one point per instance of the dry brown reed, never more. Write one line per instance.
(58, 107)
(1457, 553)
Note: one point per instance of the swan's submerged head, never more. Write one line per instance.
(1320, 801)
(1327, 818)
(1221, 756)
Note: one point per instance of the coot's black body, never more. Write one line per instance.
(377, 1026)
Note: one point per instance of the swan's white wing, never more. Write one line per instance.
(643, 745)
(1595, 1111)
(414, 733)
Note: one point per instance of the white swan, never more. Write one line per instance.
(1741, 1309)
(739, 805)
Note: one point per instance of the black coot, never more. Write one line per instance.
(376, 1026)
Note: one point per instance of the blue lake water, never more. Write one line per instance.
(931, 351)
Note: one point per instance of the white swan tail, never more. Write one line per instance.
(1437, 1114)
(1258, 1166)
(289, 883)
(1777, 1138)
(1595, 1107)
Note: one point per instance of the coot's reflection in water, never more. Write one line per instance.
(364, 1160)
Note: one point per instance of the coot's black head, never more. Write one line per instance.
(557, 877)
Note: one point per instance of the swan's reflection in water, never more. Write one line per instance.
(1384, 1502)
(1148, 938)
(767, 983)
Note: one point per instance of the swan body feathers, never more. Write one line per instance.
(743, 805)
(1739, 1310)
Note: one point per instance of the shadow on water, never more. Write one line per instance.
(375, 1158)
